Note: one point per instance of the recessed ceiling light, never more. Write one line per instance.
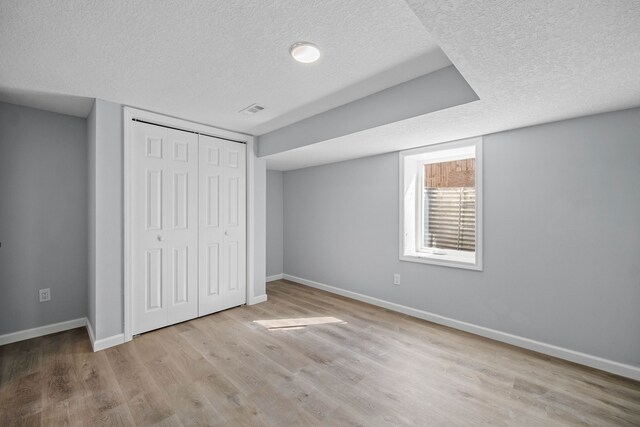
(305, 52)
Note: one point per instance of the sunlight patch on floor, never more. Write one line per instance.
(297, 323)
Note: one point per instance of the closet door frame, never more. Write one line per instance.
(131, 114)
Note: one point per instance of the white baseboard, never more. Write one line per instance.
(92, 336)
(42, 330)
(617, 368)
(111, 341)
(257, 299)
(64, 326)
(275, 277)
(103, 343)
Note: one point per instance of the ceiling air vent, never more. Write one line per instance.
(251, 110)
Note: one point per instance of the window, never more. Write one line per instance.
(441, 204)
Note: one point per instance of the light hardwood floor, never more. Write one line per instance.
(369, 367)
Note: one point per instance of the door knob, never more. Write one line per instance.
(226, 232)
(159, 238)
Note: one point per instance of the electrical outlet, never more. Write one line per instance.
(396, 279)
(45, 295)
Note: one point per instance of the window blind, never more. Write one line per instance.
(450, 218)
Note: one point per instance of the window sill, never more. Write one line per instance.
(447, 260)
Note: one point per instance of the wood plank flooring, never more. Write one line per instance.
(336, 362)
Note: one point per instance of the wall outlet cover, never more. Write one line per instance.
(45, 294)
(396, 279)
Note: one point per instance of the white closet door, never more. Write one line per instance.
(222, 235)
(164, 227)
(182, 216)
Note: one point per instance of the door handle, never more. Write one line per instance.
(226, 232)
(159, 238)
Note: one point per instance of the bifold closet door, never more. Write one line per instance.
(164, 227)
(222, 233)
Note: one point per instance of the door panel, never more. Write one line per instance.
(188, 226)
(154, 199)
(154, 143)
(180, 200)
(232, 202)
(180, 275)
(212, 267)
(148, 263)
(235, 236)
(222, 233)
(153, 282)
(212, 201)
(213, 155)
(232, 260)
(164, 227)
(232, 158)
(182, 237)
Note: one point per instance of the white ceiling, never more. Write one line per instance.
(530, 62)
(206, 60)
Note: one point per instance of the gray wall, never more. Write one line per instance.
(91, 253)
(106, 219)
(561, 236)
(275, 233)
(259, 224)
(43, 221)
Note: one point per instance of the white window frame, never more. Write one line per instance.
(411, 204)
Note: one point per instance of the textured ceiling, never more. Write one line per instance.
(530, 62)
(206, 60)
